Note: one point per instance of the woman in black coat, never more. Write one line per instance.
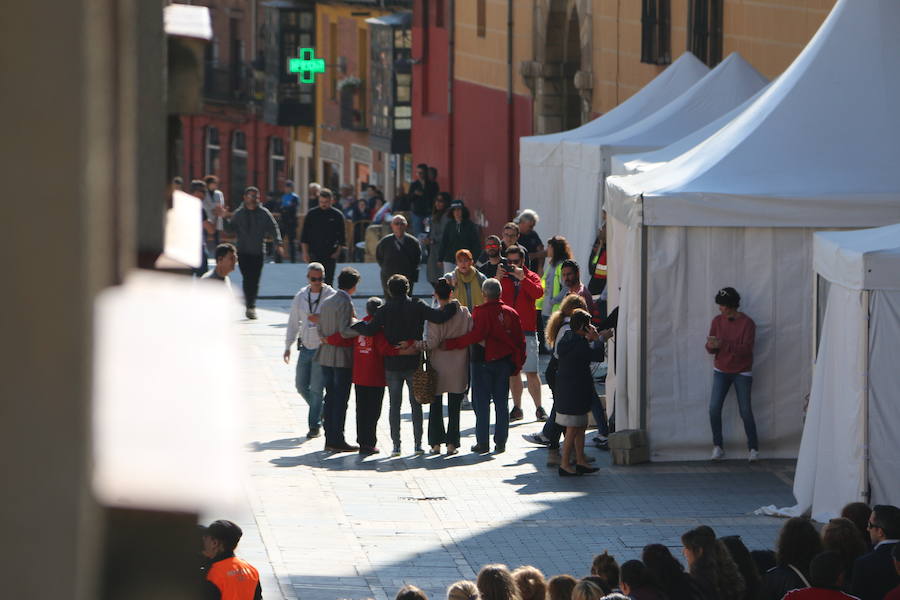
(577, 347)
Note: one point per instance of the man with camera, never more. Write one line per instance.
(521, 290)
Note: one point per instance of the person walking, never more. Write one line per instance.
(198, 190)
(422, 192)
(226, 259)
(302, 329)
(452, 368)
(225, 575)
(731, 338)
(521, 290)
(403, 319)
(439, 218)
(460, 233)
(398, 252)
(336, 316)
(498, 326)
(324, 235)
(577, 346)
(252, 223)
(213, 198)
(290, 204)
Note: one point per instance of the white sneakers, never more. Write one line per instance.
(717, 453)
(754, 456)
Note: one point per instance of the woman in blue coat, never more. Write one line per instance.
(577, 346)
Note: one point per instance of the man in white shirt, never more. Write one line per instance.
(301, 328)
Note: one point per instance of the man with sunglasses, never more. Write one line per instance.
(252, 223)
(521, 289)
(874, 574)
(302, 329)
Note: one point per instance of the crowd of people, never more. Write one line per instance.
(855, 556)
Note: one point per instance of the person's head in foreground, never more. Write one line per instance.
(495, 582)
(221, 538)
(530, 582)
(411, 592)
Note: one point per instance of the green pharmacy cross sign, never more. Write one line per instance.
(306, 65)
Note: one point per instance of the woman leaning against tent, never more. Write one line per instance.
(731, 337)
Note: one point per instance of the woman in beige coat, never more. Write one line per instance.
(452, 367)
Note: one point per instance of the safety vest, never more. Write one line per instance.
(600, 267)
(557, 285)
(236, 579)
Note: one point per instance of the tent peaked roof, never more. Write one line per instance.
(817, 149)
(865, 259)
(731, 83)
(641, 162)
(668, 85)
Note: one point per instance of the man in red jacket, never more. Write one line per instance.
(521, 289)
(499, 353)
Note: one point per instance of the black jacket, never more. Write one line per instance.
(404, 319)
(574, 391)
(399, 256)
(423, 197)
(778, 581)
(324, 231)
(874, 574)
(458, 236)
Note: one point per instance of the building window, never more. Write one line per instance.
(705, 30)
(482, 18)
(655, 35)
(213, 150)
(238, 171)
(276, 162)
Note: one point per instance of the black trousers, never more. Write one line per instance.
(436, 433)
(368, 410)
(289, 232)
(329, 264)
(251, 268)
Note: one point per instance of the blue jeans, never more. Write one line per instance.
(337, 394)
(721, 383)
(310, 385)
(490, 383)
(418, 224)
(395, 381)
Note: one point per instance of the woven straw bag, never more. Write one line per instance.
(424, 381)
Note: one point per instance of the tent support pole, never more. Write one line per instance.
(867, 489)
(643, 381)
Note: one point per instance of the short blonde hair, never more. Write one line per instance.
(530, 582)
(463, 590)
(586, 590)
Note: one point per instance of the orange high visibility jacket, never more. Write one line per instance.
(236, 579)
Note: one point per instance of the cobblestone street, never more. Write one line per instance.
(338, 526)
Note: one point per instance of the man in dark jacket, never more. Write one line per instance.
(399, 253)
(873, 573)
(422, 192)
(252, 223)
(403, 319)
(323, 235)
(459, 233)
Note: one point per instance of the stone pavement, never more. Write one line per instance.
(336, 526)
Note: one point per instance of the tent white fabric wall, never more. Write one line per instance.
(540, 156)
(586, 161)
(852, 428)
(815, 150)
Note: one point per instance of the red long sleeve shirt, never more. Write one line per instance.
(498, 326)
(368, 356)
(522, 295)
(736, 338)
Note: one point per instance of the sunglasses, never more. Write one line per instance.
(871, 525)
(316, 279)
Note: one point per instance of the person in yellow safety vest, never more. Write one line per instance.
(226, 576)
(558, 251)
(597, 265)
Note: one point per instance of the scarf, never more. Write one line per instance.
(468, 290)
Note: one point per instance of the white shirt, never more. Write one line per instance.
(306, 303)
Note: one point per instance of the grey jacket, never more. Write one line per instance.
(251, 227)
(336, 316)
(452, 366)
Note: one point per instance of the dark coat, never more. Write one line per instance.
(404, 319)
(458, 236)
(404, 259)
(575, 390)
(778, 581)
(874, 574)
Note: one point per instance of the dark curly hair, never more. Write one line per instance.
(741, 556)
(797, 543)
(842, 537)
(668, 572)
(713, 566)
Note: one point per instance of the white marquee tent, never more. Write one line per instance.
(853, 405)
(816, 150)
(586, 162)
(540, 156)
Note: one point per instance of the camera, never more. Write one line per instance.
(504, 262)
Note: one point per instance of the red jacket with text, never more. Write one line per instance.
(499, 327)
